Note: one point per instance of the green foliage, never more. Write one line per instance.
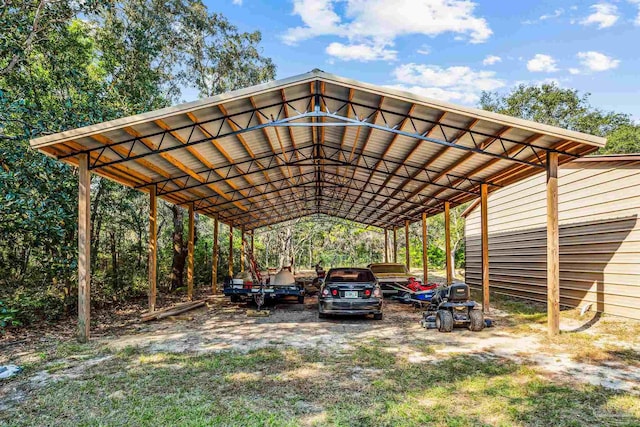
(8, 316)
(553, 105)
(624, 140)
(68, 64)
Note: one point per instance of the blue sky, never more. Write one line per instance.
(453, 49)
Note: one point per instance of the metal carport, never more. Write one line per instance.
(315, 144)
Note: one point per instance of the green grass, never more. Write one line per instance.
(363, 386)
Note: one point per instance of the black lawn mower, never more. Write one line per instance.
(451, 306)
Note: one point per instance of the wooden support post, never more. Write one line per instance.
(230, 251)
(214, 262)
(243, 249)
(425, 252)
(484, 232)
(386, 245)
(395, 244)
(153, 247)
(407, 255)
(252, 246)
(84, 248)
(191, 249)
(447, 240)
(553, 246)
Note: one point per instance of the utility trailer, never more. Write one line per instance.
(252, 285)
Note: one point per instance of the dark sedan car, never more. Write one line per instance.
(350, 291)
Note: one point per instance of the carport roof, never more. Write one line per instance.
(317, 144)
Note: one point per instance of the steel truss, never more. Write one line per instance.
(318, 118)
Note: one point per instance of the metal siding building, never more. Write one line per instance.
(599, 206)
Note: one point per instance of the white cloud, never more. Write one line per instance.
(556, 14)
(377, 23)
(360, 52)
(237, 2)
(457, 84)
(424, 50)
(604, 15)
(637, 3)
(542, 63)
(574, 71)
(491, 59)
(596, 61)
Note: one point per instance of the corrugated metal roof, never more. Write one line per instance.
(317, 143)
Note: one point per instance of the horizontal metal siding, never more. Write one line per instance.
(599, 238)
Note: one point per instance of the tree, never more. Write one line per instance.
(624, 140)
(556, 106)
(66, 64)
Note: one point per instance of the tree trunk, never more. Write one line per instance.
(179, 249)
(114, 260)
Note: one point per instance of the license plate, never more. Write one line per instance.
(237, 286)
(269, 290)
(351, 294)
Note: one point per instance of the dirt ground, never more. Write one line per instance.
(598, 351)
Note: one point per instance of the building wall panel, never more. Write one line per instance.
(599, 209)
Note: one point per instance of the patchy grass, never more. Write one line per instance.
(363, 386)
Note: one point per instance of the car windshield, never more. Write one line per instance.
(388, 268)
(350, 275)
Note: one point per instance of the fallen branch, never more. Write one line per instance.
(171, 311)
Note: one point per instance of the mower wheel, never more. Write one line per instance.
(322, 316)
(476, 323)
(444, 321)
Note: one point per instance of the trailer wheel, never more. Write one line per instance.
(235, 298)
(477, 320)
(444, 321)
(301, 299)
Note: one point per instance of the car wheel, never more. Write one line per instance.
(377, 316)
(444, 321)
(301, 299)
(477, 320)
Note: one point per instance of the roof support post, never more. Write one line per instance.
(252, 245)
(243, 249)
(395, 244)
(425, 252)
(447, 240)
(191, 249)
(407, 254)
(484, 231)
(214, 261)
(553, 246)
(153, 247)
(84, 248)
(386, 245)
(230, 251)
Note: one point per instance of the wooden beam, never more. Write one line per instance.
(214, 262)
(425, 252)
(230, 251)
(407, 255)
(447, 240)
(484, 232)
(386, 245)
(395, 244)
(553, 246)
(84, 248)
(191, 249)
(153, 247)
(243, 248)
